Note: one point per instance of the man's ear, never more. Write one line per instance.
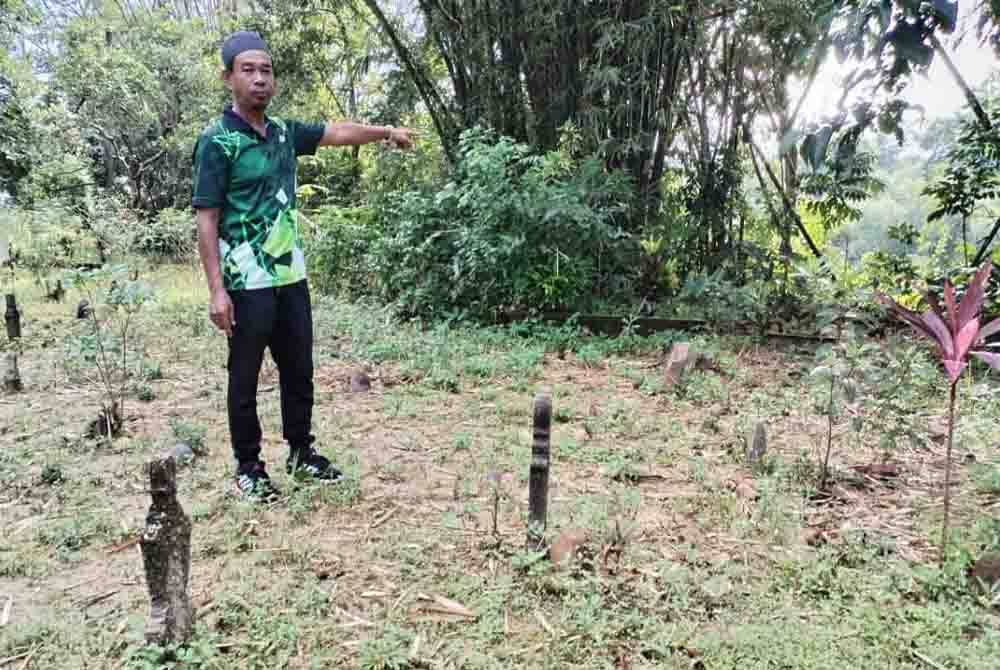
(225, 75)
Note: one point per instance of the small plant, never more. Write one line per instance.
(956, 331)
(190, 434)
(52, 474)
(106, 340)
(837, 376)
(145, 393)
(389, 650)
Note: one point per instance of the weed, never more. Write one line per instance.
(52, 474)
(389, 649)
(462, 442)
(145, 393)
(191, 434)
(70, 536)
(987, 478)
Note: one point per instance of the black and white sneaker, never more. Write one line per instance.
(306, 463)
(253, 484)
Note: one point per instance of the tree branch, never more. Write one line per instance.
(985, 245)
(435, 106)
(789, 207)
(973, 101)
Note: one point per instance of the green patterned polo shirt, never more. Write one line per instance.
(251, 179)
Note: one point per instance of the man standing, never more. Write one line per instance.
(244, 195)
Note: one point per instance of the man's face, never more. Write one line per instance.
(251, 80)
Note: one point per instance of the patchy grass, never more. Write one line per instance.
(695, 559)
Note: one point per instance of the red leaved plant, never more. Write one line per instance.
(957, 333)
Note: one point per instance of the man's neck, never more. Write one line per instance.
(255, 118)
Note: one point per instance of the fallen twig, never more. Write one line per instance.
(5, 617)
(11, 659)
(83, 583)
(27, 660)
(929, 661)
(382, 519)
(93, 600)
(442, 605)
(545, 624)
(118, 548)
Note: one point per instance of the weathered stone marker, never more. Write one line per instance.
(11, 375)
(757, 448)
(538, 484)
(166, 557)
(678, 363)
(360, 382)
(12, 317)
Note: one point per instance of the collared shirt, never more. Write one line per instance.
(251, 179)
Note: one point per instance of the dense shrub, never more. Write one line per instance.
(508, 230)
(337, 242)
(171, 236)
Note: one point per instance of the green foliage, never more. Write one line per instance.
(388, 650)
(16, 138)
(971, 176)
(193, 435)
(510, 230)
(720, 301)
(156, 93)
(836, 187)
(337, 245)
(106, 338)
(198, 653)
(169, 237)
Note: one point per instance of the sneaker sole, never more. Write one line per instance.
(240, 494)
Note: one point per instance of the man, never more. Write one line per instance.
(244, 195)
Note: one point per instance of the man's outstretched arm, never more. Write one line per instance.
(349, 134)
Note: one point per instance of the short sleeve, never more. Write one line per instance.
(306, 137)
(211, 174)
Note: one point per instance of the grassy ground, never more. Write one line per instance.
(693, 558)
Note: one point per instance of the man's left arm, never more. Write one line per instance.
(349, 134)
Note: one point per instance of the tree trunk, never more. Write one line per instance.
(984, 248)
(970, 97)
(790, 209)
(435, 106)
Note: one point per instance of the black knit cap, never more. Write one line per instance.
(239, 42)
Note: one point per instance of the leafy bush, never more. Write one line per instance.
(171, 236)
(510, 230)
(337, 241)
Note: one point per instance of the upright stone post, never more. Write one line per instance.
(12, 317)
(538, 485)
(11, 375)
(166, 557)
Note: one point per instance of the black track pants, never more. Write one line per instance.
(279, 319)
